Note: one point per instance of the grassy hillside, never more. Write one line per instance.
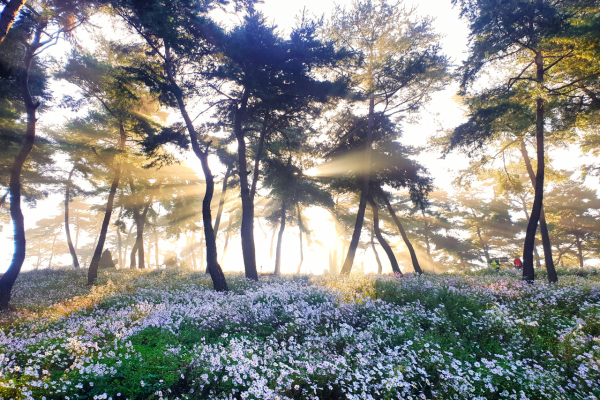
(165, 334)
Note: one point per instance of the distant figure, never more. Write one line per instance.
(518, 264)
(106, 261)
(494, 264)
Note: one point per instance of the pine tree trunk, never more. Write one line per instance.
(7, 280)
(140, 236)
(579, 251)
(411, 250)
(93, 270)
(280, 240)
(247, 230)
(8, 16)
(301, 250)
(67, 228)
(261, 143)
(538, 263)
(550, 268)
(382, 241)
(538, 200)
(379, 266)
(127, 242)
(362, 205)
(222, 200)
(216, 273)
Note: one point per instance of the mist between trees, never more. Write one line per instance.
(306, 131)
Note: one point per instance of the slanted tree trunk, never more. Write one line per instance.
(3, 198)
(247, 229)
(261, 144)
(67, 228)
(411, 250)
(360, 216)
(216, 273)
(10, 12)
(548, 260)
(280, 240)
(483, 246)
(10, 276)
(222, 199)
(538, 199)
(379, 266)
(300, 228)
(538, 263)
(382, 241)
(93, 270)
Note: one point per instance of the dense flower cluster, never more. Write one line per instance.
(167, 335)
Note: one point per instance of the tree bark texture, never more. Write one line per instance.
(386, 247)
(538, 200)
(247, 230)
(10, 276)
(409, 246)
(549, 261)
(67, 228)
(261, 144)
(8, 16)
(280, 240)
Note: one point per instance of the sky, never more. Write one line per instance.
(442, 113)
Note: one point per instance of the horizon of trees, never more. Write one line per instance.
(332, 95)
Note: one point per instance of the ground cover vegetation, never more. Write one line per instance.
(167, 334)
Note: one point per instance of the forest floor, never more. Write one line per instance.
(164, 334)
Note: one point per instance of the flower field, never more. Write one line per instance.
(166, 335)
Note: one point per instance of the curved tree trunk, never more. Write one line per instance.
(538, 200)
(67, 228)
(10, 12)
(10, 276)
(301, 250)
(280, 240)
(216, 273)
(362, 205)
(379, 266)
(550, 268)
(247, 230)
(93, 270)
(222, 200)
(411, 250)
(382, 241)
(538, 263)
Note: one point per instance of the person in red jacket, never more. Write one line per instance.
(518, 264)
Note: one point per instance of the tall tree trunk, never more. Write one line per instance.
(119, 246)
(538, 200)
(538, 263)
(216, 273)
(280, 240)
(10, 12)
(409, 246)
(483, 246)
(579, 251)
(93, 270)
(362, 205)
(550, 268)
(300, 226)
(247, 230)
(134, 250)
(67, 228)
(156, 247)
(222, 199)
(261, 143)
(379, 266)
(140, 235)
(272, 243)
(382, 241)
(10, 276)
(52, 252)
(127, 242)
